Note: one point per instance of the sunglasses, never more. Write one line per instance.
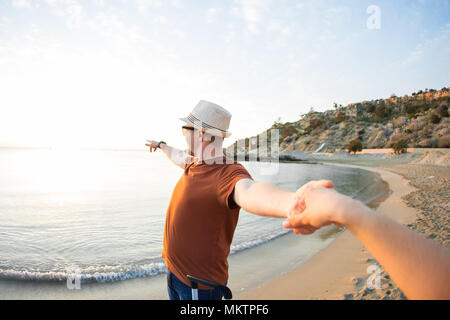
(185, 129)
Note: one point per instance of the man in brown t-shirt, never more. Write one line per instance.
(204, 207)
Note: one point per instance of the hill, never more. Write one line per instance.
(421, 119)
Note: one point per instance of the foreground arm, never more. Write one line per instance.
(266, 199)
(178, 157)
(419, 266)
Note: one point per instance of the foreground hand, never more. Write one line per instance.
(152, 144)
(317, 204)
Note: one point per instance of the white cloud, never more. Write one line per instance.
(163, 21)
(54, 3)
(253, 13)
(177, 3)
(67, 8)
(145, 5)
(334, 16)
(4, 21)
(274, 25)
(179, 33)
(287, 31)
(100, 3)
(109, 26)
(21, 4)
(430, 48)
(235, 11)
(210, 15)
(75, 14)
(58, 12)
(160, 20)
(231, 35)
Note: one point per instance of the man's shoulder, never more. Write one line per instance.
(231, 163)
(232, 167)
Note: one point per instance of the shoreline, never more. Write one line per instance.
(335, 270)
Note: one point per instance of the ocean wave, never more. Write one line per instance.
(90, 274)
(103, 274)
(256, 242)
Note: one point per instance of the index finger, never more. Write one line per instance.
(314, 184)
(324, 183)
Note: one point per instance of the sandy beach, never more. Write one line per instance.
(419, 199)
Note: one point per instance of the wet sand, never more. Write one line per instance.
(431, 202)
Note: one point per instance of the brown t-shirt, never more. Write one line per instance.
(200, 221)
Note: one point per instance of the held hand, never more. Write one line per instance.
(315, 206)
(152, 144)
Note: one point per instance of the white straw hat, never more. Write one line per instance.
(210, 117)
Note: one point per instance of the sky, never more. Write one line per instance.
(113, 73)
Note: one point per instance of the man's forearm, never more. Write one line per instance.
(178, 157)
(265, 199)
(408, 257)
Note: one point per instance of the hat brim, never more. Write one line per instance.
(214, 132)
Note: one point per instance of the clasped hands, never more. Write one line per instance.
(316, 204)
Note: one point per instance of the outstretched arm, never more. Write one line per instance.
(178, 157)
(419, 266)
(266, 199)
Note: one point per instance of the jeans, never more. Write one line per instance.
(180, 291)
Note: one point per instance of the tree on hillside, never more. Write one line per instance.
(400, 146)
(380, 111)
(434, 118)
(442, 110)
(340, 117)
(288, 131)
(315, 123)
(354, 146)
